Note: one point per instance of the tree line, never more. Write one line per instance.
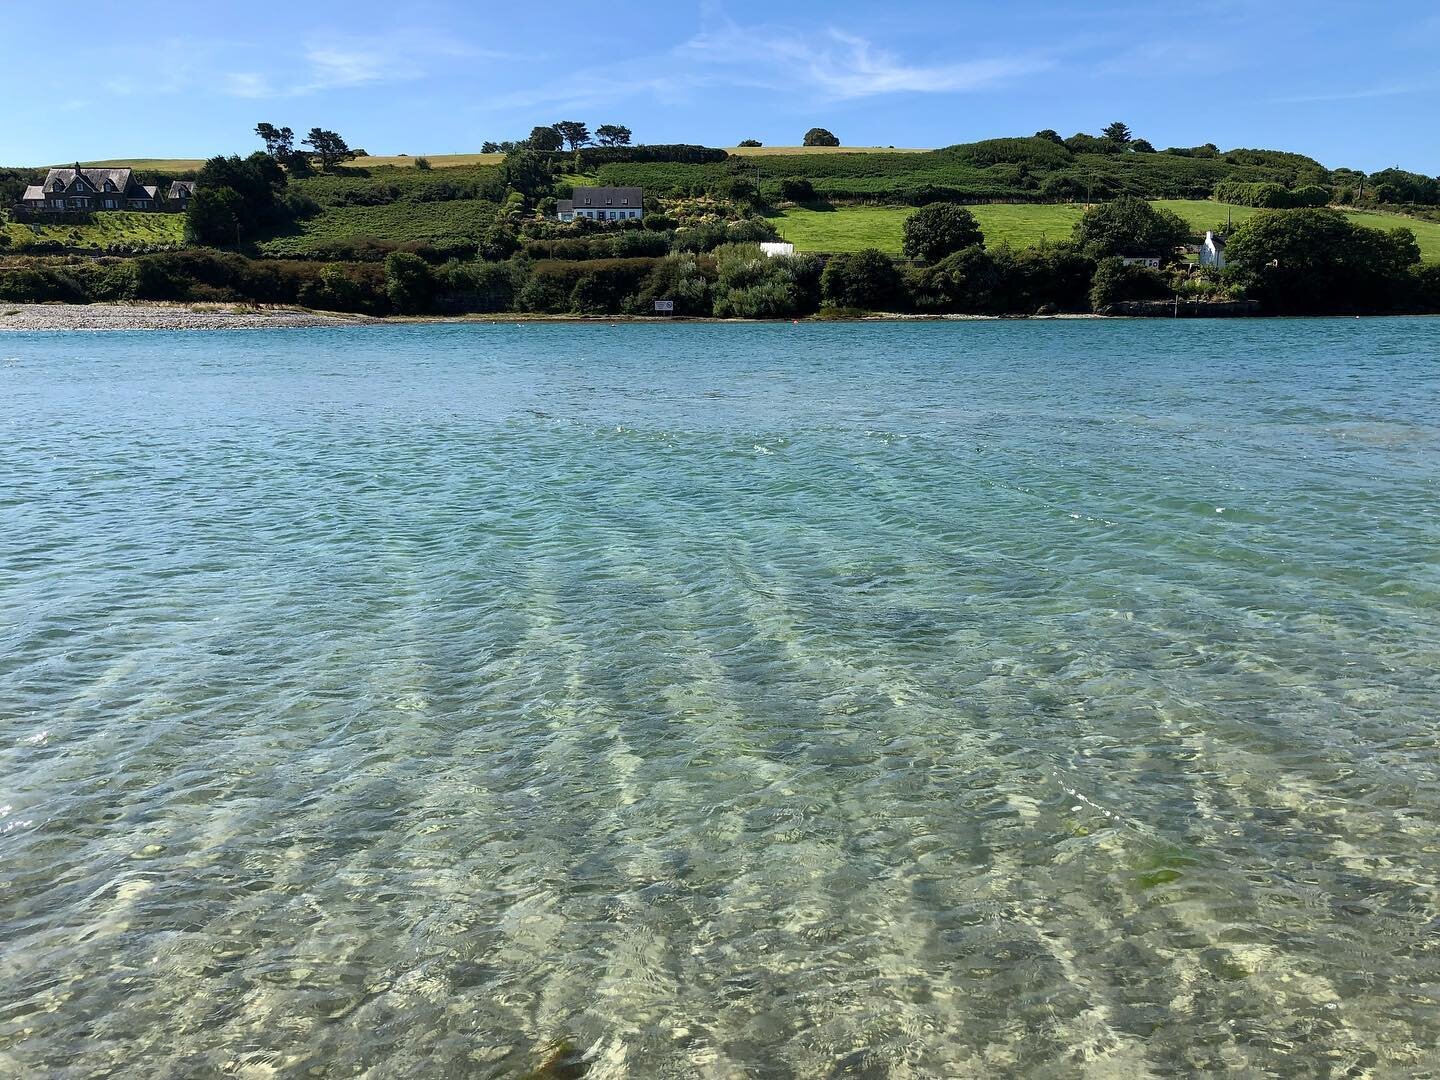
(563, 134)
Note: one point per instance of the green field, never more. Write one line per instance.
(110, 228)
(438, 161)
(853, 228)
(399, 221)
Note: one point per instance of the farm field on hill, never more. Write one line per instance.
(111, 228)
(854, 228)
(398, 221)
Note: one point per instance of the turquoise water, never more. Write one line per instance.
(973, 700)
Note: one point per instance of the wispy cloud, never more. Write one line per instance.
(246, 84)
(340, 62)
(1364, 93)
(839, 65)
(828, 65)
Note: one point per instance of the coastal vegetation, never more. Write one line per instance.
(1001, 226)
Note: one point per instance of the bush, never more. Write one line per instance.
(41, 285)
(1400, 186)
(751, 142)
(1317, 260)
(1271, 196)
(938, 230)
(797, 189)
(820, 137)
(1130, 226)
(867, 280)
(423, 164)
(1115, 282)
(679, 278)
(750, 285)
(409, 284)
(593, 286)
(963, 282)
(1039, 151)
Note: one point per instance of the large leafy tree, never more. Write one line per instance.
(329, 147)
(818, 136)
(241, 194)
(938, 230)
(544, 137)
(1317, 260)
(613, 135)
(575, 133)
(1130, 226)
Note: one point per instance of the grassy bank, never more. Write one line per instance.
(854, 228)
(110, 228)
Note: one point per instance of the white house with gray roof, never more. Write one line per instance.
(603, 204)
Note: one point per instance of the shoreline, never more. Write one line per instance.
(158, 315)
(162, 316)
(152, 315)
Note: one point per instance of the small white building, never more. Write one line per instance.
(1212, 252)
(603, 204)
(772, 248)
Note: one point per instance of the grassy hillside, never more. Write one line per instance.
(1011, 170)
(437, 161)
(155, 164)
(403, 161)
(401, 222)
(852, 228)
(110, 229)
(773, 151)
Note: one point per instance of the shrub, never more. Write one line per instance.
(1271, 196)
(1317, 260)
(751, 286)
(751, 142)
(1130, 226)
(938, 230)
(818, 136)
(1401, 186)
(409, 284)
(797, 189)
(867, 280)
(1115, 282)
(960, 282)
(41, 285)
(1039, 150)
(679, 278)
(423, 164)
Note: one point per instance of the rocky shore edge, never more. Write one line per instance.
(152, 316)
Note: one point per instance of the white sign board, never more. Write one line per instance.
(665, 305)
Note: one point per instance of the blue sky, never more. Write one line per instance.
(1351, 83)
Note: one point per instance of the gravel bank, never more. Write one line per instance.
(162, 317)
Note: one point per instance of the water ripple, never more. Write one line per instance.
(964, 700)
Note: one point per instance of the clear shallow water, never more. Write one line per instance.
(719, 701)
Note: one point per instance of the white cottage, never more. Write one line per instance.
(603, 204)
(1212, 252)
